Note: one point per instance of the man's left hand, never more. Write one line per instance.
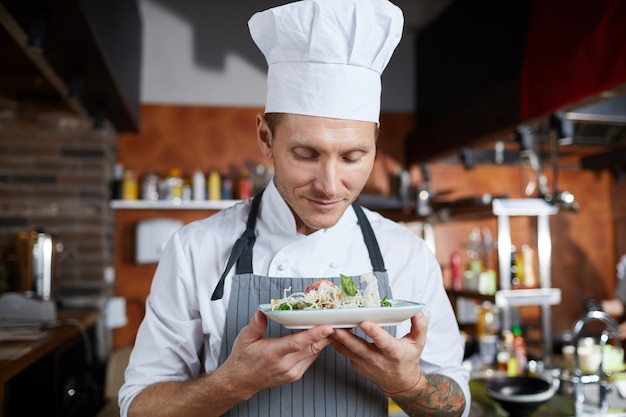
(392, 364)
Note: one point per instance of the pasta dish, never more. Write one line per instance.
(323, 294)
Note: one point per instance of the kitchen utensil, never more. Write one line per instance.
(520, 396)
(39, 256)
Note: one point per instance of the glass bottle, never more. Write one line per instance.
(519, 349)
(487, 334)
(244, 186)
(215, 186)
(130, 186)
(199, 186)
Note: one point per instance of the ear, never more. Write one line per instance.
(264, 135)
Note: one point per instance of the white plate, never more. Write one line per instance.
(344, 317)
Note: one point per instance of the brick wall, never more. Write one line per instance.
(55, 172)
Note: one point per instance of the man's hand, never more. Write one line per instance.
(259, 363)
(255, 363)
(392, 364)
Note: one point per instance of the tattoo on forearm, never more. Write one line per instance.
(442, 398)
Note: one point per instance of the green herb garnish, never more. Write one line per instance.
(384, 302)
(299, 305)
(348, 286)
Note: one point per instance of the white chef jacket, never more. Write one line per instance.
(181, 334)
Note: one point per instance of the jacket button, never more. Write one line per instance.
(281, 267)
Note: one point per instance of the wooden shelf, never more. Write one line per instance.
(171, 205)
(453, 294)
(28, 61)
(58, 58)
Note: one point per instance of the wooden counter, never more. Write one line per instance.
(18, 356)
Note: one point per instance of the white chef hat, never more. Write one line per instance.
(325, 57)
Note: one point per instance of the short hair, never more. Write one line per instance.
(274, 119)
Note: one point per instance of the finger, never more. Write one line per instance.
(255, 328)
(419, 327)
(379, 336)
(387, 343)
(346, 342)
(347, 338)
(311, 341)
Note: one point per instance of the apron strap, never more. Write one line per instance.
(241, 249)
(370, 239)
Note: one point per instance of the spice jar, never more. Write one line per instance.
(150, 186)
(171, 186)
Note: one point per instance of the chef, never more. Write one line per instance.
(204, 348)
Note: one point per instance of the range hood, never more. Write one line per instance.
(600, 126)
(601, 123)
(484, 69)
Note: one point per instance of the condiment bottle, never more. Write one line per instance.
(215, 186)
(117, 182)
(455, 268)
(171, 187)
(487, 333)
(199, 186)
(150, 186)
(515, 273)
(528, 255)
(176, 184)
(130, 186)
(227, 187)
(186, 195)
(505, 350)
(244, 185)
(519, 349)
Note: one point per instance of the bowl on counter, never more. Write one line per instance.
(520, 396)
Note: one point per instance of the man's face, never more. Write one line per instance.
(321, 165)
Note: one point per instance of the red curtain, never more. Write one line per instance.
(575, 49)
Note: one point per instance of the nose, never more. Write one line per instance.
(327, 181)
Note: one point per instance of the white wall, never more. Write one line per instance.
(199, 52)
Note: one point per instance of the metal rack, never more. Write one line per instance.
(544, 296)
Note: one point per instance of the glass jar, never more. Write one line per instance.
(150, 186)
(171, 185)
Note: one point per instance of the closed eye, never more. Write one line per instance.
(353, 157)
(305, 154)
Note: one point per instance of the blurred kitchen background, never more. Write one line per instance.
(503, 130)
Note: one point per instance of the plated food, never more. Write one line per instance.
(396, 313)
(339, 306)
(323, 294)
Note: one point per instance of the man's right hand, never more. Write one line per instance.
(255, 363)
(258, 363)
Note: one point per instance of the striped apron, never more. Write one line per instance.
(330, 387)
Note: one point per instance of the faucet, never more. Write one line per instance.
(600, 377)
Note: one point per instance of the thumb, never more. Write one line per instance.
(419, 327)
(252, 332)
(257, 325)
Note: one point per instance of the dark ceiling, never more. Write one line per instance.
(52, 60)
(33, 80)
